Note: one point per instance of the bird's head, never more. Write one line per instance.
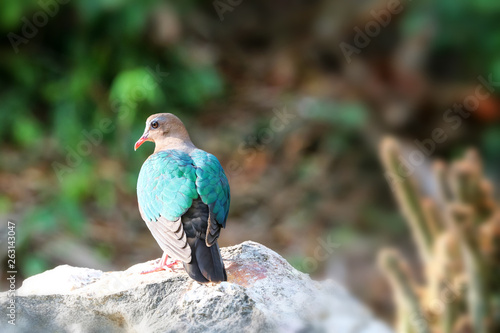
(163, 129)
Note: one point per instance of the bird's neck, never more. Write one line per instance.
(183, 144)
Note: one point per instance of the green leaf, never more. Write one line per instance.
(27, 131)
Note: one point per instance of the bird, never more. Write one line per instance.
(183, 196)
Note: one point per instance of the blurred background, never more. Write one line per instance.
(293, 97)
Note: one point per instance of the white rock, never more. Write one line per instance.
(263, 294)
(61, 280)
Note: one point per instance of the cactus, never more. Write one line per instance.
(458, 240)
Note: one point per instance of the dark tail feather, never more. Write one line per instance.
(206, 262)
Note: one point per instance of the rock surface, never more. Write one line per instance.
(263, 294)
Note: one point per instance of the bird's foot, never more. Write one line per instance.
(160, 267)
(172, 264)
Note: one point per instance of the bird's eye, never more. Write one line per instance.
(154, 124)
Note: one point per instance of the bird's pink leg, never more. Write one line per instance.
(162, 265)
(163, 260)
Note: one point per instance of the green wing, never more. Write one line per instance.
(213, 188)
(167, 185)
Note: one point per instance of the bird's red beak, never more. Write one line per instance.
(141, 141)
